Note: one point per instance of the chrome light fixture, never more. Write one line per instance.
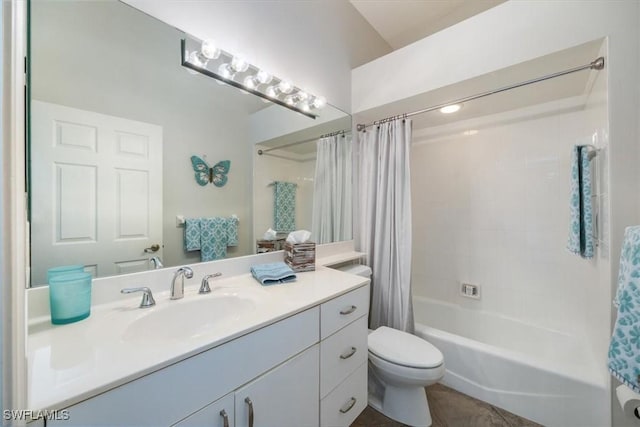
(208, 59)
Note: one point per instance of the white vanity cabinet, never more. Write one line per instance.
(343, 358)
(286, 396)
(306, 370)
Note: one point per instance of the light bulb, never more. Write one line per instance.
(225, 71)
(290, 100)
(302, 95)
(271, 92)
(196, 59)
(304, 106)
(319, 102)
(209, 49)
(285, 87)
(264, 77)
(450, 108)
(239, 64)
(250, 82)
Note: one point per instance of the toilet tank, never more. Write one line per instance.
(357, 269)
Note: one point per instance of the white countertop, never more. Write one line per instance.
(71, 363)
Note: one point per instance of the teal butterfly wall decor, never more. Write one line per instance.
(217, 175)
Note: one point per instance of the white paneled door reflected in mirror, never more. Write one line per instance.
(115, 121)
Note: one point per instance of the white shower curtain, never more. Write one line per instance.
(382, 213)
(332, 196)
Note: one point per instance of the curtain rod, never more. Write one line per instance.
(597, 64)
(266, 150)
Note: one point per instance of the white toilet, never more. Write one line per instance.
(401, 365)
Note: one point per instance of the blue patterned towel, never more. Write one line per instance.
(284, 206)
(270, 274)
(581, 225)
(192, 234)
(232, 231)
(624, 350)
(213, 238)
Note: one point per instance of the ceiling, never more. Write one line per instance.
(402, 22)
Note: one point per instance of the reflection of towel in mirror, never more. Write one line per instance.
(284, 206)
(210, 236)
(624, 349)
(192, 234)
(232, 231)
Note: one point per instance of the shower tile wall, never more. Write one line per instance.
(491, 208)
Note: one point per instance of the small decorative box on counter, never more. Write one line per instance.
(263, 246)
(300, 256)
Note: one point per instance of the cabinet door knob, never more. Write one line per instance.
(349, 310)
(349, 353)
(225, 418)
(347, 407)
(250, 403)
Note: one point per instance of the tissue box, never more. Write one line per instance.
(300, 256)
(263, 246)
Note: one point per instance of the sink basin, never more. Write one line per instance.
(190, 317)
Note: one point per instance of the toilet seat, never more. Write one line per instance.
(403, 349)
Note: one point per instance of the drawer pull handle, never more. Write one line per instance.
(349, 310)
(349, 354)
(346, 408)
(250, 403)
(225, 417)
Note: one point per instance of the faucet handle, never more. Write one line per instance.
(204, 286)
(147, 296)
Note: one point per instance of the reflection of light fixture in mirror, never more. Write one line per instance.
(450, 108)
(208, 59)
(470, 132)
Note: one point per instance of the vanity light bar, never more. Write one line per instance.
(278, 91)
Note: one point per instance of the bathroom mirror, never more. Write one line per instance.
(114, 121)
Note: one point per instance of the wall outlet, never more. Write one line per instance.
(470, 291)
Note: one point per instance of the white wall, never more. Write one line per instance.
(268, 169)
(493, 210)
(313, 43)
(112, 59)
(514, 32)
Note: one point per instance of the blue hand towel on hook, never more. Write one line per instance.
(581, 225)
(270, 274)
(624, 349)
(192, 234)
(284, 206)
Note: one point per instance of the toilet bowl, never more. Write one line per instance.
(401, 365)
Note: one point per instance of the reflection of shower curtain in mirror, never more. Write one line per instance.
(332, 190)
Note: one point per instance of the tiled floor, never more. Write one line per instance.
(450, 408)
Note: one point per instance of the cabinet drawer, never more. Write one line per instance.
(341, 311)
(341, 354)
(212, 415)
(343, 405)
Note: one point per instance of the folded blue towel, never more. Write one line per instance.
(284, 206)
(581, 225)
(624, 349)
(270, 274)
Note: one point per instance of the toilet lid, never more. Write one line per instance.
(404, 349)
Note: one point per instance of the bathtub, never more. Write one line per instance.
(543, 375)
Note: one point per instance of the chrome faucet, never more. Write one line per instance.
(157, 263)
(177, 292)
(204, 286)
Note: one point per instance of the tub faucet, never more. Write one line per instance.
(177, 290)
(157, 263)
